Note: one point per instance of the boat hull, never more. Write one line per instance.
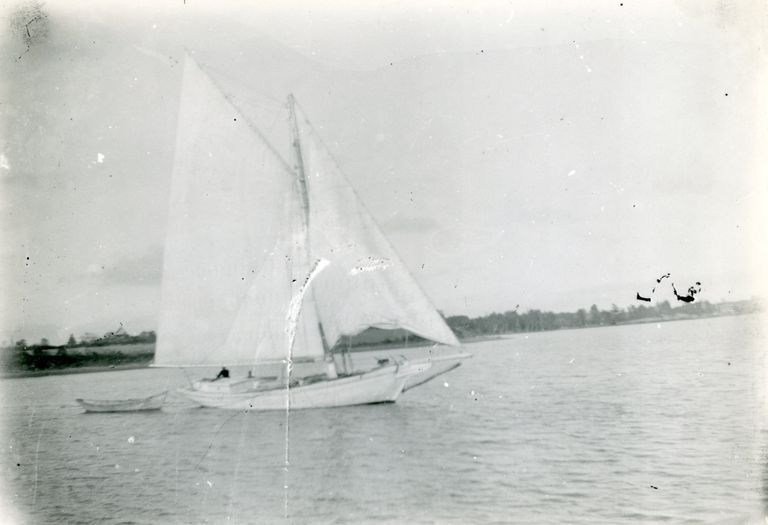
(123, 405)
(432, 367)
(380, 385)
(429, 373)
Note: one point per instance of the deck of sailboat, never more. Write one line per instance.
(382, 384)
(265, 384)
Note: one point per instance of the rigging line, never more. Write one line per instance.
(249, 87)
(274, 113)
(216, 434)
(247, 121)
(261, 105)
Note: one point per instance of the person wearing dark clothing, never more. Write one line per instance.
(223, 373)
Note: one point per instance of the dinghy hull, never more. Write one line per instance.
(123, 405)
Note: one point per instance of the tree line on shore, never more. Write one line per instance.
(38, 361)
(44, 356)
(536, 320)
(23, 356)
(110, 338)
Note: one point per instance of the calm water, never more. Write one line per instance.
(632, 424)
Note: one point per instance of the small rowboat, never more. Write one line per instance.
(123, 405)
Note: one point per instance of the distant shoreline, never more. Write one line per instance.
(71, 370)
(384, 346)
(136, 366)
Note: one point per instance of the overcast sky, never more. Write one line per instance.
(515, 153)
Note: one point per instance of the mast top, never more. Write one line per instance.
(300, 175)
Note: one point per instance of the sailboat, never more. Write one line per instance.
(271, 261)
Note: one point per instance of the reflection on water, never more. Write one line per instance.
(642, 423)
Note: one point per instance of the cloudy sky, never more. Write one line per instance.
(515, 153)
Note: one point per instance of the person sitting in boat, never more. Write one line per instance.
(223, 373)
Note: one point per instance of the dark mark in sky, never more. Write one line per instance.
(653, 290)
(658, 281)
(692, 291)
(30, 22)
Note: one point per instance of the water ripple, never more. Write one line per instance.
(644, 426)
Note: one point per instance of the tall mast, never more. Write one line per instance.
(302, 183)
(300, 175)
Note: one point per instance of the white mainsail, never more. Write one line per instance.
(228, 252)
(366, 284)
(244, 232)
